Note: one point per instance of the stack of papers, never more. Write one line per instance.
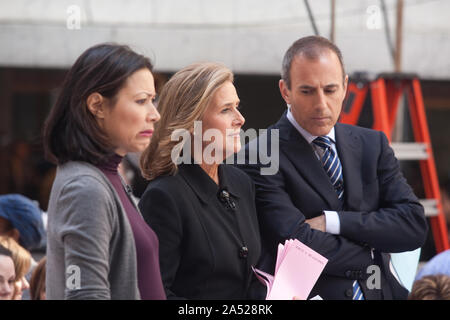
(296, 271)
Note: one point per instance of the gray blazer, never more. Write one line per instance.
(91, 252)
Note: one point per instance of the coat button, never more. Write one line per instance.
(243, 252)
(348, 274)
(349, 293)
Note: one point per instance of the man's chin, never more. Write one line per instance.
(320, 131)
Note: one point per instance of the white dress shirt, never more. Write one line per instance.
(332, 222)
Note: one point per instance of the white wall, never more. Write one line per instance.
(250, 36)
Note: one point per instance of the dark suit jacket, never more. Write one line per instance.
(380, 210)
(200, 239)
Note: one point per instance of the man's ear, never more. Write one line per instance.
(96, 105)
(345, 85)
(285, 92)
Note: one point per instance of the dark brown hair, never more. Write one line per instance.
(71, 131)
(311, 47)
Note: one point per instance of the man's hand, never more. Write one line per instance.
(317, 223)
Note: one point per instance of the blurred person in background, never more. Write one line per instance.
(7, 274)
(37, 282)
(445, 198)
(22, 175)
(439, 264)
(22, 263)
(99, 246)
(432, 287)
(21, 219)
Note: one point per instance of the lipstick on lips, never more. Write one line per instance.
(146, 133)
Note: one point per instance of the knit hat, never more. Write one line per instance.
(25, 216)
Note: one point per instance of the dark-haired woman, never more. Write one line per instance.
(99, 246)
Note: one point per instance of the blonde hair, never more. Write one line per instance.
(433, 287)
(20, 256)
(183, 100)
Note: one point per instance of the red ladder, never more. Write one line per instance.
(386, 91)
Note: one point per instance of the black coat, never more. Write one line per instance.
(380, 210)
(201, 238)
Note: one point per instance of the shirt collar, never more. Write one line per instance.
(308, 136)
(203, 185)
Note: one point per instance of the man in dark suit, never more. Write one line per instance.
(338, 188)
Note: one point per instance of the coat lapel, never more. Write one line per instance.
(302, 156)
(349, 151)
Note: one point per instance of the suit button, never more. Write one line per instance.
(349, 293)
(348, 274)
(243, 252)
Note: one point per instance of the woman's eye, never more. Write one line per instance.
(141, 101)
(225, 110)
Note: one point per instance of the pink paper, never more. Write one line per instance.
(296, 271)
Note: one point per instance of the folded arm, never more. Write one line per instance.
(280, 220)
(399, 223)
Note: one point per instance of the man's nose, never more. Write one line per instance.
(320, 100)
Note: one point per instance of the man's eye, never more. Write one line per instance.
(306, 91)
(330, 91)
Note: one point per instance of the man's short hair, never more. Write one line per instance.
(311, 47)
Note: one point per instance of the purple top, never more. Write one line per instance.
(146, 241)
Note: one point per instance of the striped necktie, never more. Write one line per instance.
(333, 168)
(331, 164)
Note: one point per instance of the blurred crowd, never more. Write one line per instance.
(22, 241)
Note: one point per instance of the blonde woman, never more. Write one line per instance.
(22, 263)
(7, 274)
(201, 209)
